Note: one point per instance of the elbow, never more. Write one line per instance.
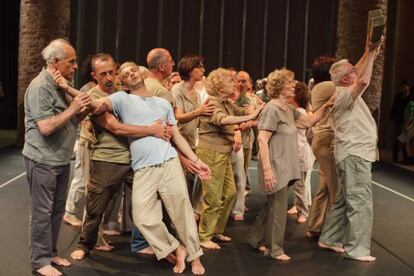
(44, 129)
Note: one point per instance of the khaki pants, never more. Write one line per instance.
(240, 179)
(349, 221)
(269, 227)
(164, 184)
(219, 193)
(300, 197)
(328, 183)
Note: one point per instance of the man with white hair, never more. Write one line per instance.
(51, 121)
(348, 226)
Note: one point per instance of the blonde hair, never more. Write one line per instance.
(288, 73)
(276, 81)
(337, 71)
(216, 81)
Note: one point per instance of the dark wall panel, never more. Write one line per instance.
(256, 36)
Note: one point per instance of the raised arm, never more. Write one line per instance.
(364, 68)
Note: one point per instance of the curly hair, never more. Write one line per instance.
(302, 95)
(216, 80)
(276, 81)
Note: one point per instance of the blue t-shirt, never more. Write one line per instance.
(144, 111)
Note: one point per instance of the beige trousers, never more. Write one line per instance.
(164, 184)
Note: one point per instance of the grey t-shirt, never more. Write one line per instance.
(283, 144)
(43, 100)
(355, 128)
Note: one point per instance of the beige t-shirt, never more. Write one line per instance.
(155, 88)
(355, 128)
(181, 100)
(320, 94)
(283, 144)
(213, 134)
(108, 147)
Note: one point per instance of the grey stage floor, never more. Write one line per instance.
(392, 239)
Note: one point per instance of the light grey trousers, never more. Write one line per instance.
(349, 222)
(48, 186)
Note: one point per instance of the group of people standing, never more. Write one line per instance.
(184, 154)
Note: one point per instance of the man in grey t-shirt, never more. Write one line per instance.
(348, 225)
(51, 122)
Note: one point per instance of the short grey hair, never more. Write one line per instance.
(337, 71)
(54, 50)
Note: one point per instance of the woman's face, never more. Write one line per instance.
(229, 87)
(288, 90)
(197, 73)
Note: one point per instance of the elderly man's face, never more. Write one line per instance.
(243, 81)
(67, 65)
(350, 76)
(168, 64)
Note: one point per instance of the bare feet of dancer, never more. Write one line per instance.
(365, 259)
(78, 254)
(292, 210)
(222, 237)
(148, 251)
(171, 258)
(111, 233)
(283, 257)
(60, 261)
(301, 219)
(262, 248)
(238, 217)
(330, 247)
(210, 245)
(48, 270)
(180, 255)
(72, 220)
(106, 247)
(197, 268)
(311, 234)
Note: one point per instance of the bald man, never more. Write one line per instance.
(160, 66)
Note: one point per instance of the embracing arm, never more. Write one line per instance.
(111, 123)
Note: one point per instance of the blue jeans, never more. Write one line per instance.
(138, 241)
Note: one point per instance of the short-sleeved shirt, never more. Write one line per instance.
(283, 144)
(355, 128)
(320, 94)
(247, 134)
(213, 134)
(108, 147)
(155, 88)
(44, 100)
(144, 111)
(185, 103)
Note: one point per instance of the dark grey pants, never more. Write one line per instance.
(48, 191)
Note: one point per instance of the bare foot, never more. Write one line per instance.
(333, 248)
(238, 217)
(197, 267)
(171, 258)
(262, 248)
(210, 245)
(111, 233)
(72, 220)
(148, 251)
(365, 259)
(311, 234)
(180, 255)
(302, 219)
(48, 270)
(196, 217)
(292, 210)
(222, 237)
(78, 254)
(60, 261)
(283, 257)
(105, 248)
